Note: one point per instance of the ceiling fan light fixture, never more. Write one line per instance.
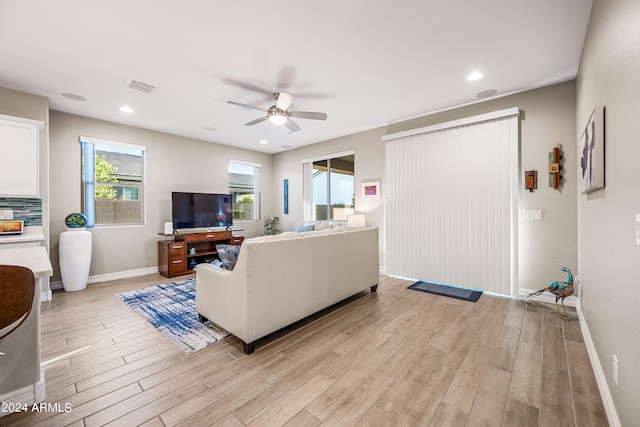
(278, 119)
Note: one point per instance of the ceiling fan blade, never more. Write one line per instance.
(253, 107)
(307, 115)
(309, 95)
(284, 101)
(256, 121)
(292, 126)
(285, 77)
(248, 86)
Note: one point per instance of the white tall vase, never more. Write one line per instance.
(75, 258)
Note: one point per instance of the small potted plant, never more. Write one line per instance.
(271, 225)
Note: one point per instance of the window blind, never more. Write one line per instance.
(452, 202)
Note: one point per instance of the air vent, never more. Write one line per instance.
(139, 86)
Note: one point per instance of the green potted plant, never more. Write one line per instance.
(271, 225)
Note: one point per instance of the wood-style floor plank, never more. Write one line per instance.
(394, 357)
(526, 375)
(489, 405)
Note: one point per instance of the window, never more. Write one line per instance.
(244, 186)
(112, 182)
(330, 188)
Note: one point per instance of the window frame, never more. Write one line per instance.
(307, 199)
(257, 189)
(87, 150)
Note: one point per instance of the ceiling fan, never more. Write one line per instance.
(279, 114)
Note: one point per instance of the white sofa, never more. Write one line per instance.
(281, 279)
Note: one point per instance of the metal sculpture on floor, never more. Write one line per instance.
(561, 290)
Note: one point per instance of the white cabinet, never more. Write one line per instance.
(19, 168)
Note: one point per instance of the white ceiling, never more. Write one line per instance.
(364, 63)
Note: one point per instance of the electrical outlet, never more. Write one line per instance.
(615, 370)
(6, 214)
(533, 215)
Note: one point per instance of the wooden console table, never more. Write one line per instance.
(178, 257)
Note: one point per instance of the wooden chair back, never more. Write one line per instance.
(17, 289)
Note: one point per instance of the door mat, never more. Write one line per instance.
(446, 291)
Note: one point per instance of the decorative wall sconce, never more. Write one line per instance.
(531, 180)
(556, 167)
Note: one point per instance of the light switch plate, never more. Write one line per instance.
(533, 215)
(6, 214)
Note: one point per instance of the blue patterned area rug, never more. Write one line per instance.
(171, 308)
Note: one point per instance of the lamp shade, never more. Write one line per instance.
(356, 220)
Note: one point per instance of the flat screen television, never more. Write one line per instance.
(201, 210)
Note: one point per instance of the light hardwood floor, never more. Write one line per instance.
(395, 357)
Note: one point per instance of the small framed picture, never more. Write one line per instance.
(371, 190)
(531, 180)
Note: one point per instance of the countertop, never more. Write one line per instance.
(35, 258)
(29, 234)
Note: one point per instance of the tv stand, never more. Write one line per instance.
(178, 257)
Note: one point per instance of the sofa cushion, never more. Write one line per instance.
(228, 254)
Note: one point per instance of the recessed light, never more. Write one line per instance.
(486, 93)
(126, 109)
(74, 97)
(208, 128)
(264, 141)
(476, 75)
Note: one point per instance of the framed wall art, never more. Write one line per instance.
(591, 153)
(286, 196)
(371, 190)
(531, 180)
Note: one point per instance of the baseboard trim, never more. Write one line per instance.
(601, 379)
(112, 276)
(548, 297)
(28, 395)
(46, 295)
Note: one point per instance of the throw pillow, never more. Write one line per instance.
(304, 228)
(228, 254)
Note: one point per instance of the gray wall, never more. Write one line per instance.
(608, 257)
(173, 163)
(548, 118)
(369, 166)
(177, 163)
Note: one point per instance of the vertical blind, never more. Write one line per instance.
(452, 202)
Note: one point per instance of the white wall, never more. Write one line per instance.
(548, 117)
(173, 163)
(608, 257)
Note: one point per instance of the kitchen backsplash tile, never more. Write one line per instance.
(27, 210)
